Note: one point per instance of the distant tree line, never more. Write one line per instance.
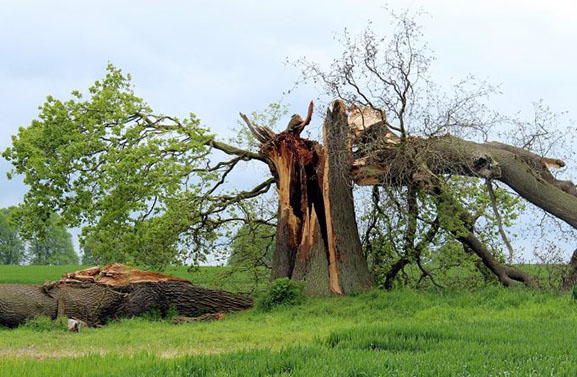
(51, 247)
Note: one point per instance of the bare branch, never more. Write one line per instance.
(231, 150)
(262, 134)
(309, 117)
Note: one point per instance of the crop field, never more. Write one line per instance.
(483, 332)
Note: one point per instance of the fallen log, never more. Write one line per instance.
(96, 296)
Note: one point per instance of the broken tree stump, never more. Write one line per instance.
(96, 296)
(317, 239)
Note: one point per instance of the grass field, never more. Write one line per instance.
(485, 332)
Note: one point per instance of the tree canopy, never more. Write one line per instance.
(142, 185)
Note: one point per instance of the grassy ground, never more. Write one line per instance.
(486, 332)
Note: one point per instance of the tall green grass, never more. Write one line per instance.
(487, 348)
(486, 332)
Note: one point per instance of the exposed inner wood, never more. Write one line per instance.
(332, 243)
(331, 237)
(298, 165)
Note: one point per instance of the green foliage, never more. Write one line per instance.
(53, 246)
(45, 323)
(90, 256)
(281, 292)
(444, 257)
(154, 315)
(253, 245)
(12, 250)
(574, 292)
(472, 194)
(107, 162)
(171, 312)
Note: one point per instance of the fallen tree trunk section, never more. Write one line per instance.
(525, 172)
(96, 296)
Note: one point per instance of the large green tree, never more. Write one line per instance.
(12, 248)
(141, 185)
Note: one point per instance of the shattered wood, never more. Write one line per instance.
(313, 241)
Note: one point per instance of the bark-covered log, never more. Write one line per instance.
(96, 296)
(21, 302)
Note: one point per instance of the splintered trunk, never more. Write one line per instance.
(317, 237)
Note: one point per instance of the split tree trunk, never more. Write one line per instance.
(317, 239)
(96, 296)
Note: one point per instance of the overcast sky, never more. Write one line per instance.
(220, 57)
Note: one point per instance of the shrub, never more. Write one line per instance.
(171, 312)
(281, 292)
(575, 292)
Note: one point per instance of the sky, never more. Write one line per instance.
(220, 57)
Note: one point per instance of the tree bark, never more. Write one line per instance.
(96, 296)
(343, 236)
